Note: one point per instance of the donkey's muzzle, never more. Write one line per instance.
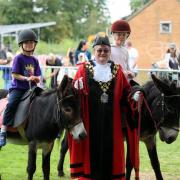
(79, 132)
(82, 135)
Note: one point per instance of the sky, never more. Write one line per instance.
(118, 9)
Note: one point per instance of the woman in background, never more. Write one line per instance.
(82, 49)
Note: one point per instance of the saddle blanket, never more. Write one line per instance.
(3, 103)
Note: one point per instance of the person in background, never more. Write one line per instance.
(82, 49)
(133, 57)
(6, 59)
(121, 30)
(172, 57)
(25, 70)
(3, 57)
(104, 92)
(70, 56)
(53, 60)
(7, 71)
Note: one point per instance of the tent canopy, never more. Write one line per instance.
(12, 30)
(6, 29)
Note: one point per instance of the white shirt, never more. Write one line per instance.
(133, 55)
(119, 55)
(102, 72)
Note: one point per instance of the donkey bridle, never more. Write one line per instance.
(164, 108)
(59, 105)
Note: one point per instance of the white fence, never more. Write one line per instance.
(142, 76)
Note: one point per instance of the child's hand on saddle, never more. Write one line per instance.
(34, 78)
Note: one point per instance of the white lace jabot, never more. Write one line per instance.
(102, 72)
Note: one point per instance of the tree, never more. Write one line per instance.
(74, 18)
(137, 4)
(20, 11)
(86, 16)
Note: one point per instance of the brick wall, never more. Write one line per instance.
(146, 36)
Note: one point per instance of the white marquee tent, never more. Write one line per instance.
(12, 30)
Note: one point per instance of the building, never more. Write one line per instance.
(153, 27)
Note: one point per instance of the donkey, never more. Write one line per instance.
(49, 114)
(162, 115)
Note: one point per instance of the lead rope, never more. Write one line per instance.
(136, 106)
(139, 109)
(149, 110)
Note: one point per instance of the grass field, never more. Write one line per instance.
(13, 161)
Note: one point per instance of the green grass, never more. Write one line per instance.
(45, 48)
(13, 161)
(169, 157)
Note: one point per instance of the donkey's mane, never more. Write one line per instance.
(150, 90)
(48, 92)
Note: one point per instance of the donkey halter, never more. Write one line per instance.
(164, 108)
(59, 111)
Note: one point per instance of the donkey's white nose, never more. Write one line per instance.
(78, 132)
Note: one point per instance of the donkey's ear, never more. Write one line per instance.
(161, 85)
(63, 87)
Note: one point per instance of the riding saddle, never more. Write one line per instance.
(23, 108)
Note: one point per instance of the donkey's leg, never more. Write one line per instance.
(152, 151)
(31, 168)
(63, 150)
(46, 154)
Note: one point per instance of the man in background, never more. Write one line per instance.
(53, 60)
(6, 59)
(133, 57)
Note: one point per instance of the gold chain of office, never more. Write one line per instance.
(103, 85)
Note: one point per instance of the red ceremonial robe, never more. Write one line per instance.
(80, 151)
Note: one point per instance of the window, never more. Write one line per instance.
(165, 27)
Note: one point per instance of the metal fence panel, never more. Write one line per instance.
(142, 76)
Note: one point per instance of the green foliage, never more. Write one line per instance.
(19, 12)
(74, 19)
(2, 9)
(85, 17)
(137, 4)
